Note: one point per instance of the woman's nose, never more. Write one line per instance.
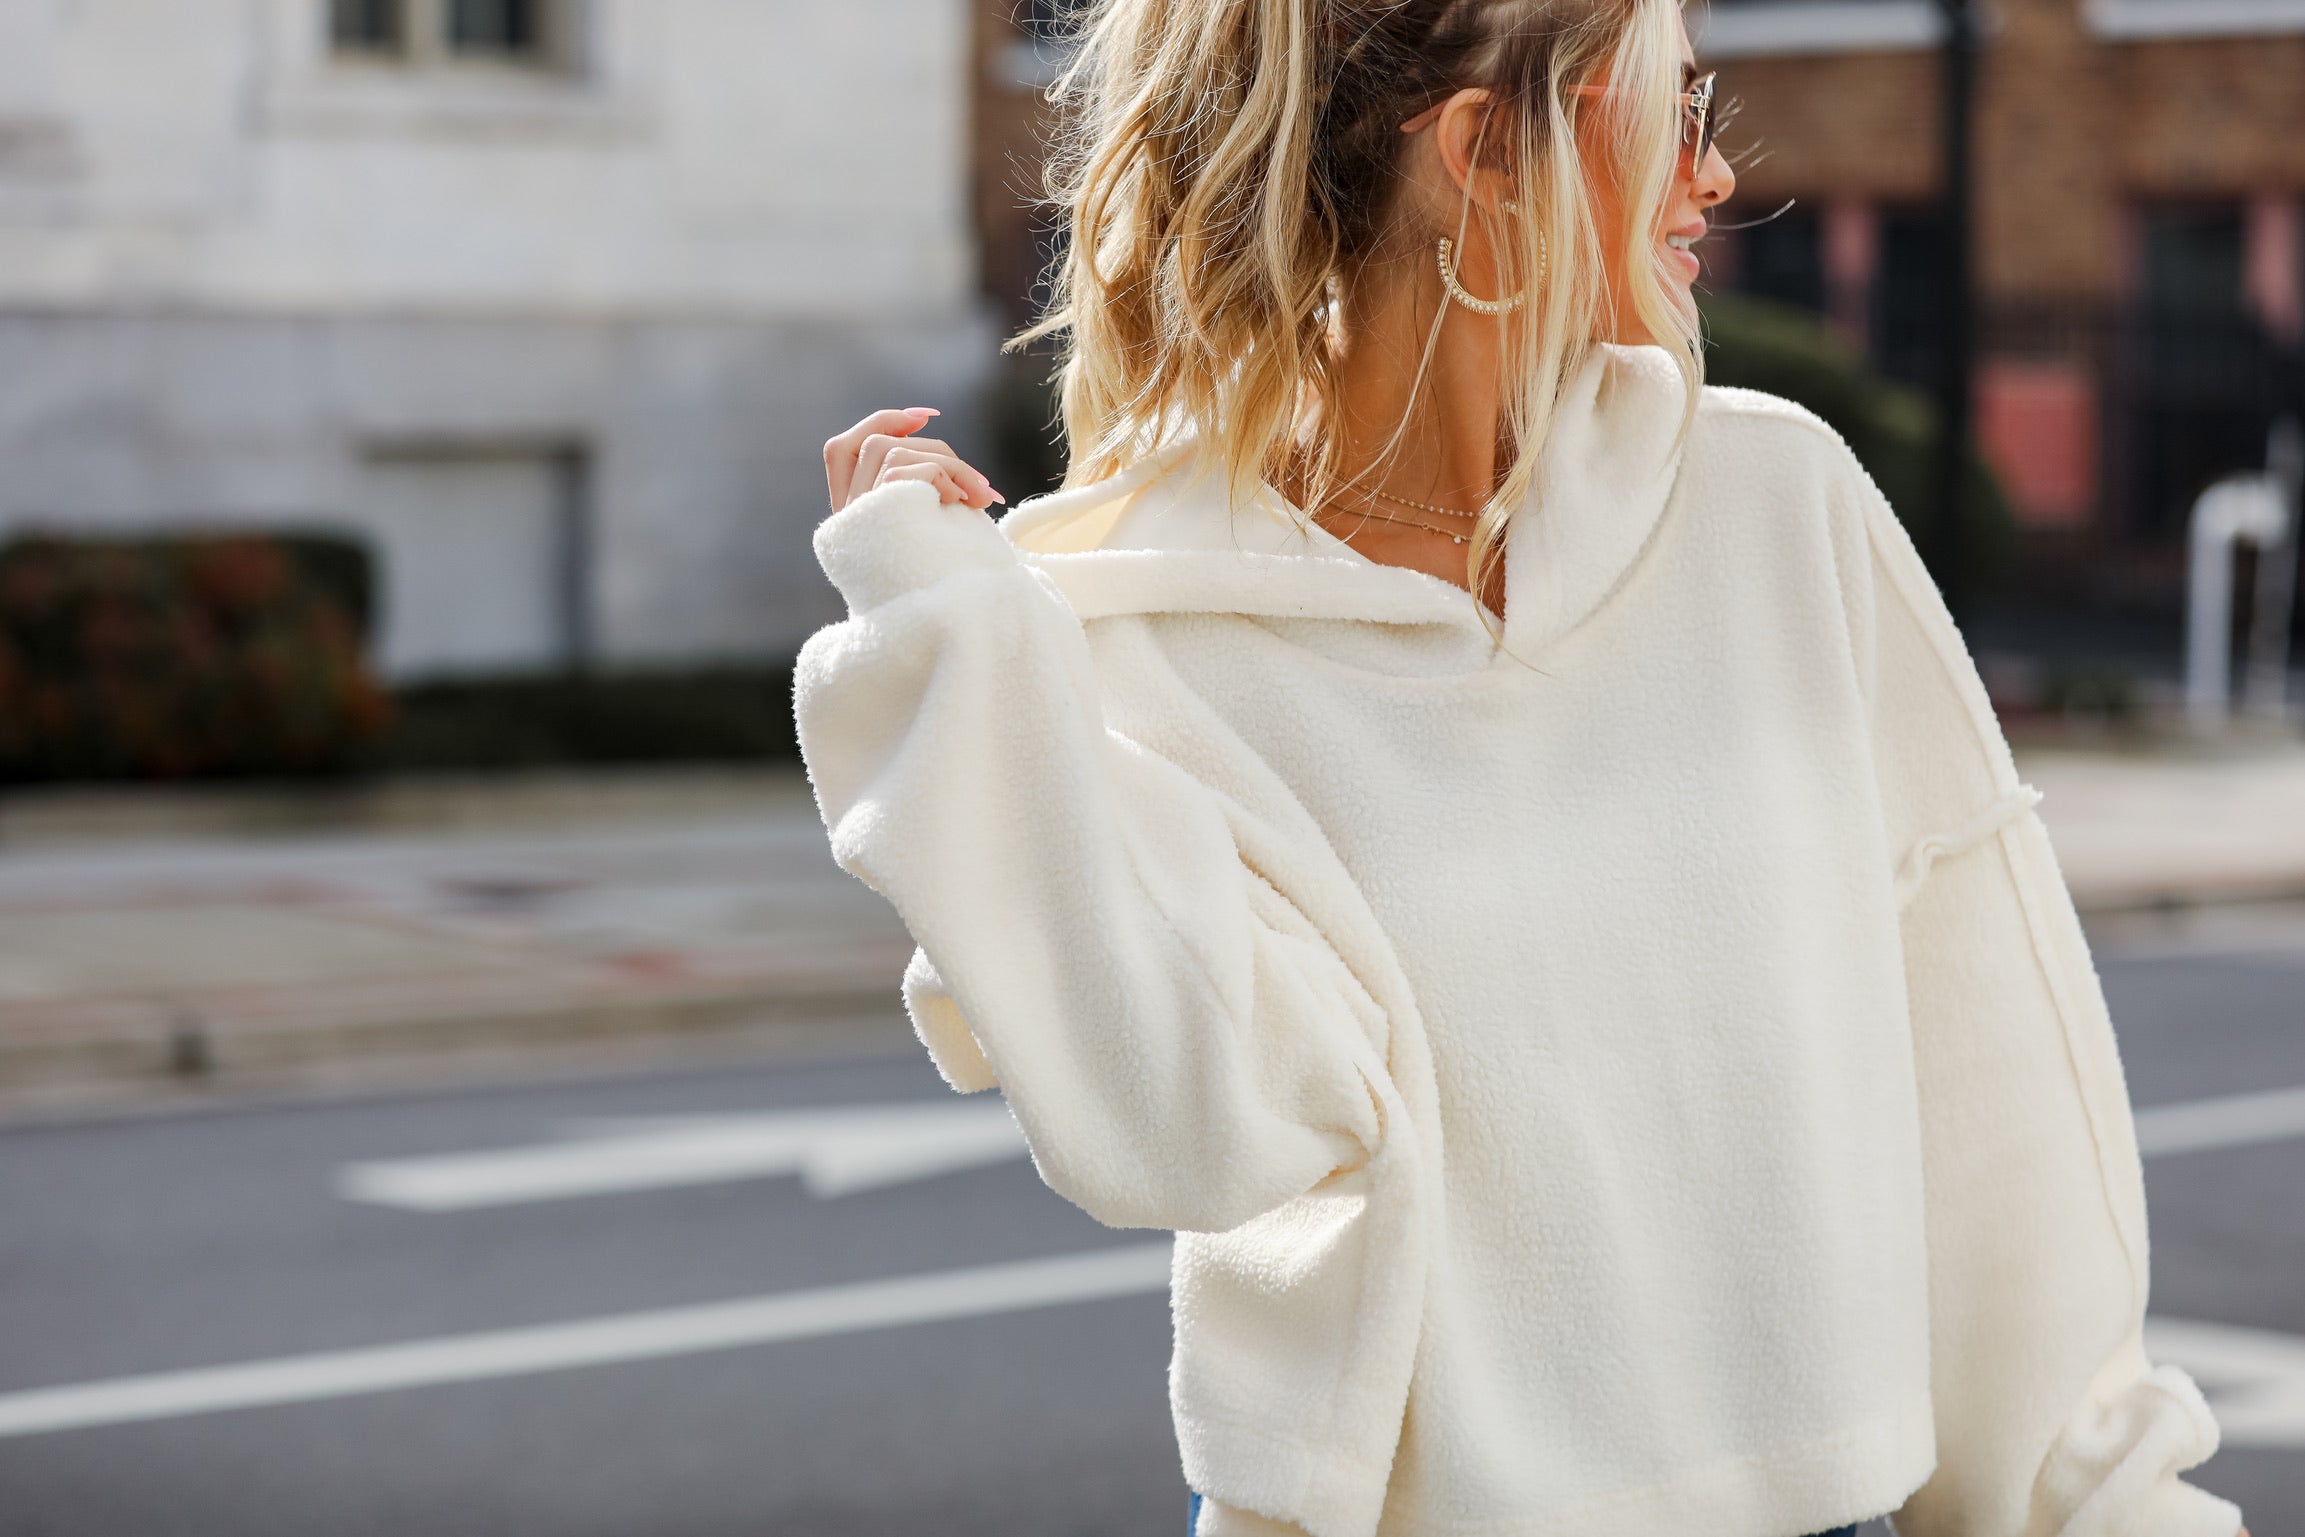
(1714, 180)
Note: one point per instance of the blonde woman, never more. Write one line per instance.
(1495, 843)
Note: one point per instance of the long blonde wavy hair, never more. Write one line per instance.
(1221, 166)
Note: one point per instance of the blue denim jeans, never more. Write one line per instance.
(1194, 1520)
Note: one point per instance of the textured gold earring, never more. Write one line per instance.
(1457, 290)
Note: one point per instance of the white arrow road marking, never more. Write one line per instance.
(2234, 1120)
(837, 1151)
(2254, 1378)
(851, 1148)
(812, 1314)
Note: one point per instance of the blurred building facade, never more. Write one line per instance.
(2140, 238)
(554, 300)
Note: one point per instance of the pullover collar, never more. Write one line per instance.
(1161, 537)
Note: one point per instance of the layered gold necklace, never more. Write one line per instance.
(1430, 528)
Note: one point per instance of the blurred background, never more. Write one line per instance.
(444, 1083)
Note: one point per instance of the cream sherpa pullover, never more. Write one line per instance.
(1661, 1094)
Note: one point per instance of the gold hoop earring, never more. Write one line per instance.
(1457, 291)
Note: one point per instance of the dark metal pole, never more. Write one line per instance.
(1956, 353)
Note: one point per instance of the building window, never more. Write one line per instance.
(530, 34)
(2209, 376)
(500, 29)
(1908, 301)
(367, 26)
(2194, 261)
(1784, 259)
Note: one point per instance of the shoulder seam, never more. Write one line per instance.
(1736, 400)
(1947, 647)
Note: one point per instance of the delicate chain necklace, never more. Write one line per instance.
(1430, 528)
(1405, 501)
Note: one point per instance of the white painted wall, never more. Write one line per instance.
(237, 275)
(756, 156)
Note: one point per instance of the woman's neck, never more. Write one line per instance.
(1447, 452)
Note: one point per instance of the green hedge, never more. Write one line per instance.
(1891, 427)
(715, 714)
(173, 658)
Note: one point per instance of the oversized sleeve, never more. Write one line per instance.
(2050, 1420)
(1180, 1046)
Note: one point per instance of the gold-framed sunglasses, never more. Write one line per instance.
(1699, 122)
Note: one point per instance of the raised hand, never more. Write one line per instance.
(884, 448)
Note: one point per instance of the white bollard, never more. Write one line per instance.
(2265, 687)
(2250, 507)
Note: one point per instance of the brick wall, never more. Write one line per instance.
(2070, 129)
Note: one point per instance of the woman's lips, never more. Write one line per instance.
(1691, 232)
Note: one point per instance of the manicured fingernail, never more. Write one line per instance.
(922, 411)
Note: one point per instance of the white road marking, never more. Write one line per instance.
(847, 1149)
(837, 1151)
(811, 1314)
(2254, 1378)
(2233, 1120)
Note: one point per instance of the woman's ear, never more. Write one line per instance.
(1467, 134)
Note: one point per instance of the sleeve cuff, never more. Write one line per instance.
(2180, 1509)
(900, 537)
(2114, 1468)
(936, 1019)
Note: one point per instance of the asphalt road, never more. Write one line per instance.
(136, 1247)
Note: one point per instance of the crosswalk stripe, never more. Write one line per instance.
(975, 1292)
(2231, 1120)
(2256, 1378)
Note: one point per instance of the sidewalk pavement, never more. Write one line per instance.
(196, 940)
(221, 938)
(2174, 827)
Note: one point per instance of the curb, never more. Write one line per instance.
(75, 815)
(2105, 898)
(163, 1043)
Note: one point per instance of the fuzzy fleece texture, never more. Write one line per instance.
(1663, 1089)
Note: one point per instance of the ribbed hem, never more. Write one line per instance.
(1848, 1476)
(1252, 1467)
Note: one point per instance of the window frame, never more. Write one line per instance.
(425, 28)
